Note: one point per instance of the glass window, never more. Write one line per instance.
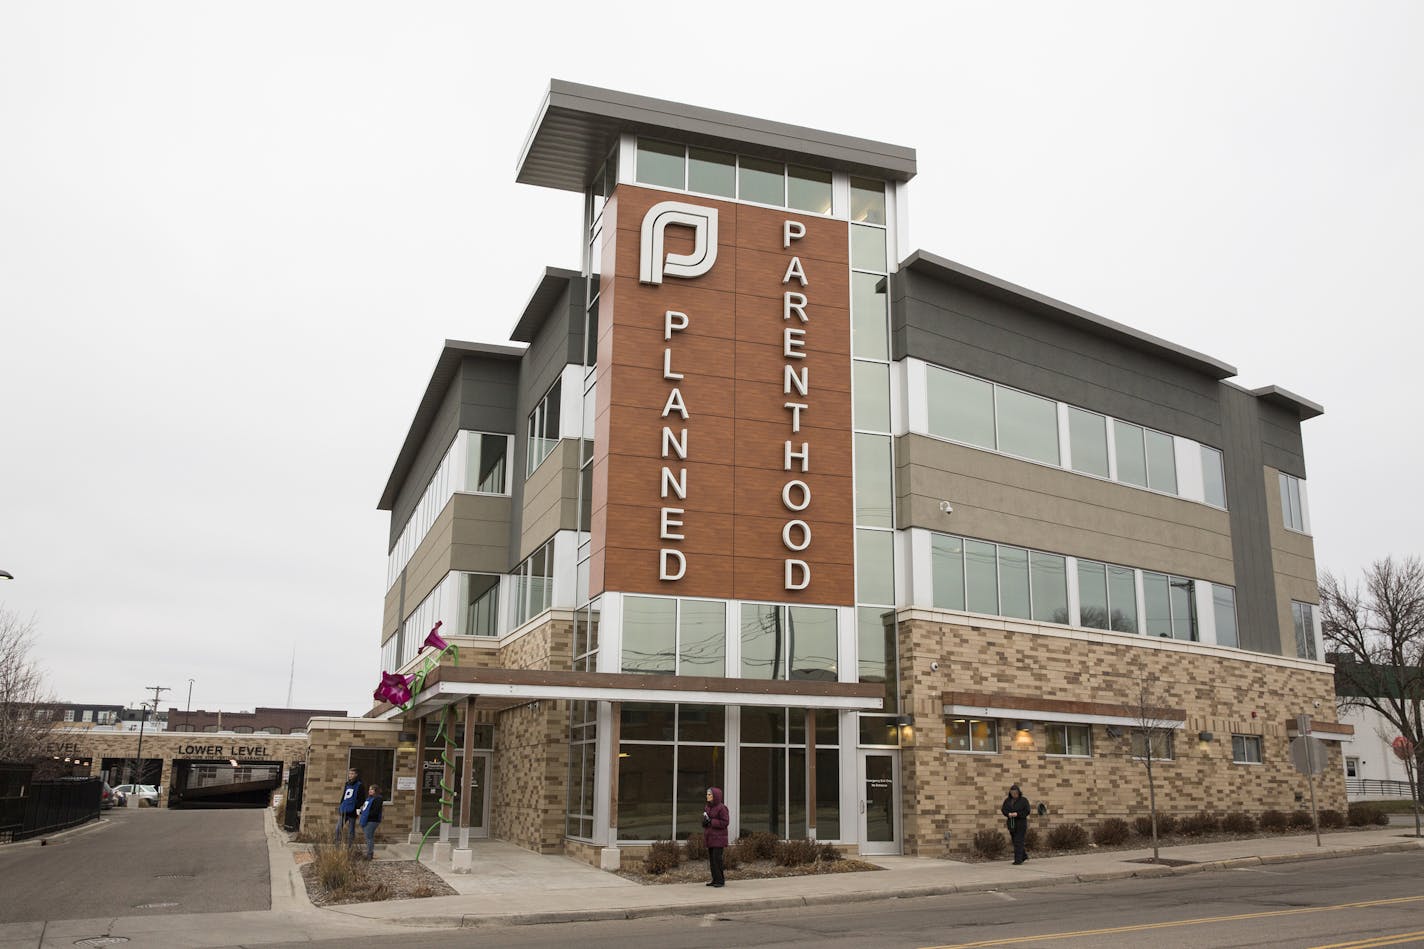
(645, 791)
(647, 721)
(1028, 425)
(1122, 599)
(1088, 438)
(544, 426)
(1092, 595)
(649, 635)
(808, 189)
(1075, 740)
(1303, 618)
(1184, 609)
(875, 566)
(485, 462)
(1163, 745)
(660, 164)
(1213, 480)
(763, 633)
(1246, 749)
(1161, 462)
(710, 172)
(872, 396)
(947, 571)
(1131, 456)
(981, 576)
(762, 181)
(702, 723)
(869, 335)
(1013, 582)
(873, 473)
(1159, 605)
(702, 638)
(867, 201)
(972, 734)
(828, 793)
(763, 790)
(480, 602)
(1292, 511)
(699, 767)
(875, 630)
(961, 408)
(1223, 602)
(1049, 574)
(812, 642)
(867, 248)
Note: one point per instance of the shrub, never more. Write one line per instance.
(1199, 824)
(335, 866)
(662, 856)
(1274, 820)
(1166, 824)
(696, 846)
(829, 853)
(1381, 817)
(990, 843)
(795, 853)
(1067, 837)
(758, 846)
(1362, 815)
(1238, 823)
(733, 856)
(1032, 839)
(1301, 820)
(1332, 818)
(1111, 832)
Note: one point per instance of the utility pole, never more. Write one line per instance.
(188, 709)
(142, 719)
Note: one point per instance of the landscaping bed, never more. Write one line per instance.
(752, 857)
(335, 875)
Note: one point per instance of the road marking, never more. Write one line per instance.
(1370, 943)
(1171, 924)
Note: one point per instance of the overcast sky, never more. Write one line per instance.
(233, 237)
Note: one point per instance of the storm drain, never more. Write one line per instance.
(102, 941)
(173, 876)
(154, 905)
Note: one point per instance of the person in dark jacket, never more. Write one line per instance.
(352, 797)
(715, 818)
(371, 819)
(1015, 810)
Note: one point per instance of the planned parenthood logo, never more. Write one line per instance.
(654, 263)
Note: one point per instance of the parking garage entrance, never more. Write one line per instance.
(223, 783)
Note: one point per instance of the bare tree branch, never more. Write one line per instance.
(24, 726)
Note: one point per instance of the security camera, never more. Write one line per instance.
(934, 667)
(946, 507)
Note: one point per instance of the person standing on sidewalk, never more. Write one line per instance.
(352, 795)
(1015, 810)
(371, 819)
(716, 818)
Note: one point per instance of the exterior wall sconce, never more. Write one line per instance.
(904, 726)
(904, 721)
(1204, 736)
(1023, 735)
(1023, 726)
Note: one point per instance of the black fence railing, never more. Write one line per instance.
(292, 806)
(46, 807)
(1376, 787)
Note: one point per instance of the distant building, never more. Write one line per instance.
(270, 721)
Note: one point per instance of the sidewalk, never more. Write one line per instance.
(514, 886)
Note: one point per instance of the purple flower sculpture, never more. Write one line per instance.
(434, 640)
(394, 688)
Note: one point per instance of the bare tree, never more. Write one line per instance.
(1153, 726)
(1375, 631)
(23, 732)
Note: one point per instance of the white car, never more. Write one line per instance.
(146, 792)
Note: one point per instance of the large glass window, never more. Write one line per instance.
(1088, 436)
(1131, 453)
(1292, 507)
(479, 604)
(961, 408)
(875, 629)
(1122, 599)
(649, 635)
(486, 457)
(867, 201)
(972, 734)
(1171, 606)
(981, 576)
(762, 181)
(702, 638)
(1013, 582)
(1223, 602)
(1213, 479)
(1071, 740)
(661, 164)
(667, 758)
(1246, 749)
(1028, 425)
(1303, 618)
(875, 566)
(867, 247)
(1161, 462)
(1092, 594)
(1048, 574)
(869, 333)
(774, 780)
(544, 426)
(947, 571)
(873, 472)
(808, 189)
(780, 642)
(534, 584)
(872, 395)
(710, 172)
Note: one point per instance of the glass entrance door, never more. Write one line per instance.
(479, 795)
(479, 792)
(879, 802)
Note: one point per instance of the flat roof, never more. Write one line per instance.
(546, 294)
(577, 125)
(949, 271)
(448, 363)
(1299, 405)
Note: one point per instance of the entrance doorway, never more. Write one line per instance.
(878, 788)
(432, 770)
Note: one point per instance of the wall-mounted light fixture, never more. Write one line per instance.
(1023, 735)
(1203, 736)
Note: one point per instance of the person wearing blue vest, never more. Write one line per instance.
(353, 795)
(371, 819)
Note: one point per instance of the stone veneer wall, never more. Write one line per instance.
(948, 796)
(327, 760)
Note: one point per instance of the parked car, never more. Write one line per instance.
(109, 798)
(145, 792)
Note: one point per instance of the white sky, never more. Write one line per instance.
(233, 237)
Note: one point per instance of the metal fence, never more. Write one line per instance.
(46, 807)
(292, 806)
(1362, 788)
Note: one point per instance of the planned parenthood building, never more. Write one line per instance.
(762, 497)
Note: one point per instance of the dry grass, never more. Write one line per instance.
(750, 870)
(337, 874)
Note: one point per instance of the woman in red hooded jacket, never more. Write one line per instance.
(716, 818)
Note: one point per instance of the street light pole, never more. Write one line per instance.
(188, 710)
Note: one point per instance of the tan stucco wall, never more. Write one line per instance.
(1293, 560)
(550, 498)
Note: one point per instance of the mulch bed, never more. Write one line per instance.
(1141, 843)
(697, 872)
(378, 880)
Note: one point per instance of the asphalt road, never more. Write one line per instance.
(1349, 903)
(139, 862)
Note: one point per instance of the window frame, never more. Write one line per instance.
(1171, 742)
(1293, 504)
(1050, 728)
(968, 723)
(539, 421)
(1247, 741)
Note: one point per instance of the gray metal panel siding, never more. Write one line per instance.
(1250, 522)
(489, 392)
(1281, 440)
(432, 449)
(951, 326)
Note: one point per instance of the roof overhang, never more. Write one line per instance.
(949, 271)
(1036, 709)
(505, 688)
(546, 293)
(1299, 406)
(578, 125)
(1325, 731)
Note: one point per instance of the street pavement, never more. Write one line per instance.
(513, 894)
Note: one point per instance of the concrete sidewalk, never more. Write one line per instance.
(513, 886)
